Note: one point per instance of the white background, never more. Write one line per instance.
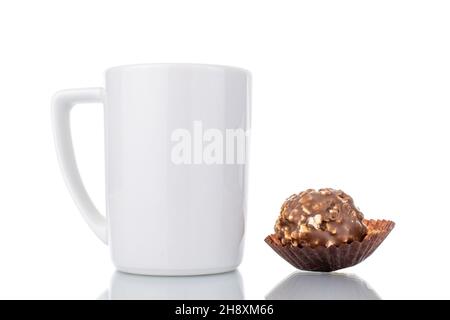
(346, 94)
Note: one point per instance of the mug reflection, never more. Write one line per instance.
(322, 286)
(224, 286)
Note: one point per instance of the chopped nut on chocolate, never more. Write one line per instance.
(319, 218)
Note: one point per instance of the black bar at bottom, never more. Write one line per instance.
(233, 309)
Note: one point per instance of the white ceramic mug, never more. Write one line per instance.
(176, 166)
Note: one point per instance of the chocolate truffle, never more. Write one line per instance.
(319, 218)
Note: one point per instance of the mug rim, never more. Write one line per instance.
(180, 64)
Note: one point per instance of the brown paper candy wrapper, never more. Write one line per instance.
(334, 257)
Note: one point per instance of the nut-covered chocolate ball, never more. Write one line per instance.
(319, 218)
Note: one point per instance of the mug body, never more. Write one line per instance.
(176, 167)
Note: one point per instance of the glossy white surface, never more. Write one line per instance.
(223, 286)
(164, 218)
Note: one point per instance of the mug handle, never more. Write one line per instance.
(62, 103)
